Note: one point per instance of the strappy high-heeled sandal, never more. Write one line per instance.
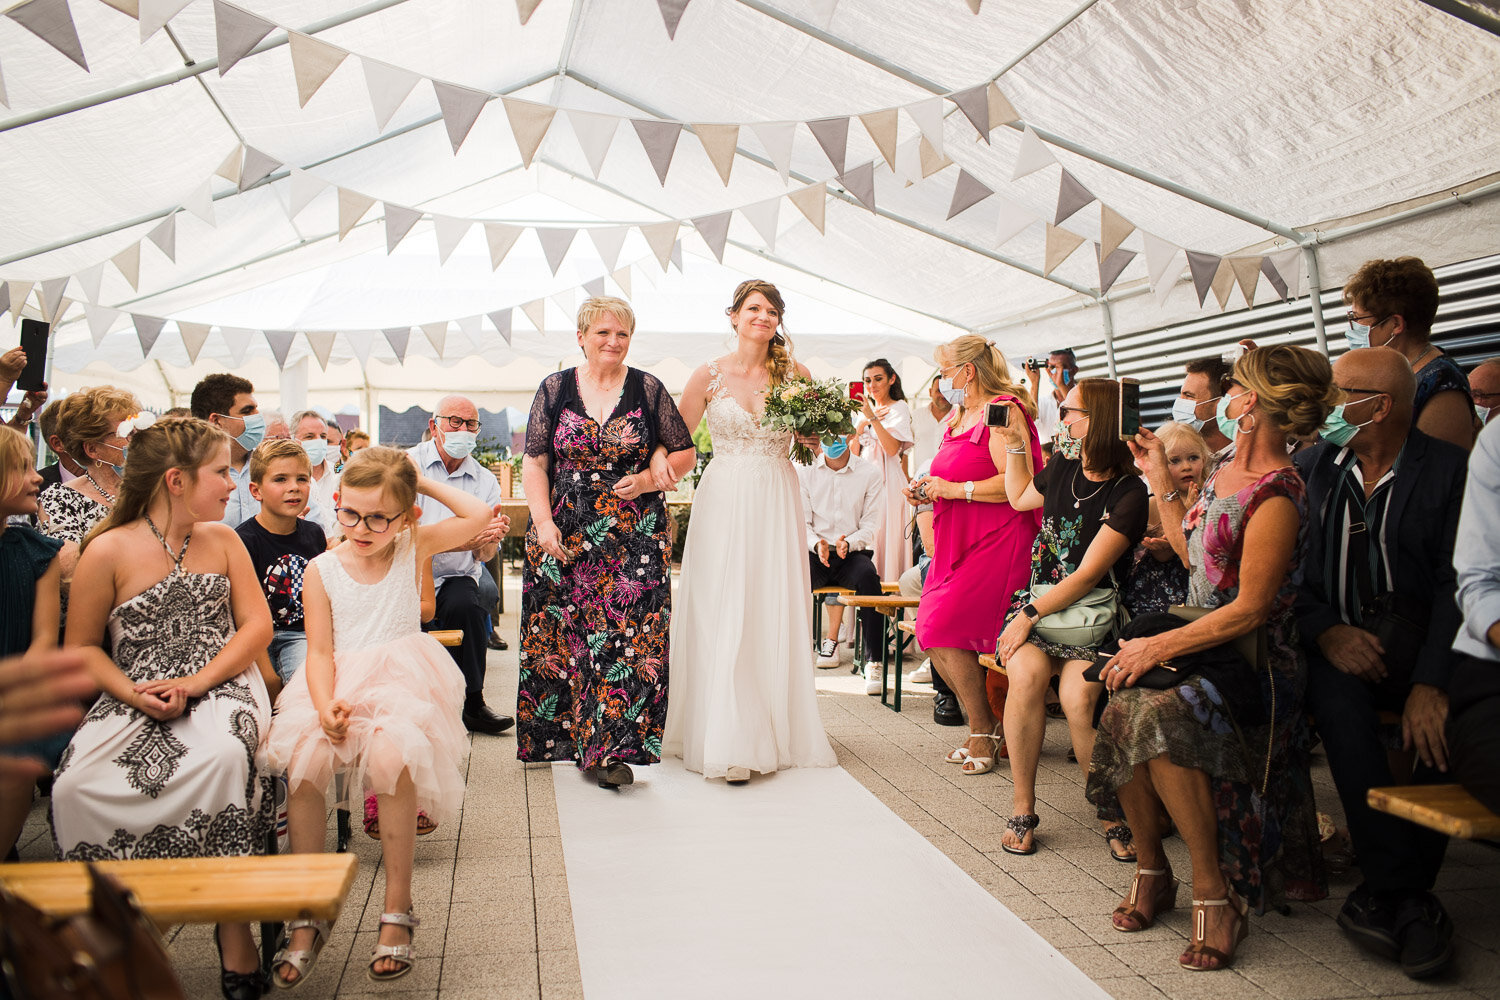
(975, 764)
(301, 960)
(1197, 948)
(404, 953)
(1164, 899)
(1021, 825)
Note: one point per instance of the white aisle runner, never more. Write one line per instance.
(802, 884)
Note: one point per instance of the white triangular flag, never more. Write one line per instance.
(715, 231)
(1158, 256)
(676, 257)
(659, 139)
(594, 133)
(164, 235)
(398, 337)
(812, 201)
(528, 124)
(502, 320)
(659, 237)
(860, 182)
(1288, 264)
(437, 335)
(608, 240)
(304, 187)
(19, 291)
(398, 222)
(621, 277)
(238, 31)
(763, 215)
(5, 301)
(460, 107)
(974, 102)
(555, 243)
(201, 203)
(89, 279)
(1032, 156)
(147, 329)
(967, 192)
(388, 86)
(536, 311)
(928, 115)
(52, 297)
(4, 100)
(280, 342)
(882, 126)
(671, 14)
(154, 14)
(719, 142)
(500, 238)
(449, 232)
(595, 287)
(909, 161)
(257, 165)
(230, 168)
(52, 22)
(313, 61)
(469, 327)
(362, 343)
(129, 263)
(352, 207)
(777, 137)
(833, 135)
(100, 319)
(321, 344)
(63, 305)
(237, 339)
(192, 336)
(566, 301)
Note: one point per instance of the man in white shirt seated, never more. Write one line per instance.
(841, 500)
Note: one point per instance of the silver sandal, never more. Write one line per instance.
(403, 953)
(301, 961)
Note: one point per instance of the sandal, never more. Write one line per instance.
(301, 961)
(975, 764)
(1021, 825)
(372, 818)
(1197, 948)
(425, 824)
(403, 953)
(1122, 833)
(1163, 900)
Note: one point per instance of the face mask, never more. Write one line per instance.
(1358, 337)
(1185, 411)
(1482, 412)
(119, 470)
(317, 450)
(254, 432)
(1068, 446)
(459, 444)
(835, 448)
(1228, 426)
(1339, 431)
(955, 397)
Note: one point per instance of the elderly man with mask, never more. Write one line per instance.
(1378, 614)
(310, 430)
(1484, 386)
(462, 603)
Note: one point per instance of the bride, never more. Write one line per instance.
(743, 697)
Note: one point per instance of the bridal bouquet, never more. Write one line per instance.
(806, 406)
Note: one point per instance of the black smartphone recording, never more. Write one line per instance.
(1130, 408)
(996, 415)
(34, 343)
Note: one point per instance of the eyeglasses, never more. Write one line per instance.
(1480, 397)
(1063, 411)
(1351, 390)
(1354, 320)
(349, 517)
(459, 423)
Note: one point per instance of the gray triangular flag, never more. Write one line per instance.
(89, 280)
(594, 132)
(719, 142)
(201, 203)
(525, 8)
(676, 257)
(1268, 269)
(500, 238)
(860, 182)
(1111, 266)
(129, 263)
(147, 329)
(1032, 156)
(281, 345)
(833, 135)
(164, 235)
(659, 237)
(975, 104)
(659, 140)
(974, 5)
(621, 277)
(460, 107)
(257, 165)
(5, 301)
(100, 318)
(449, 232)
(352, 207)
(777, 137)
(555, 243)
(154, 14)
(502, 323)
(1071, 196)
(608, 240)
(671, 14)
(536, 311)
(238, 32)
(715, 231)
(595, 287)
(52, 22)
(763, 215)
(192, 335)
(321, 343)
(812, 201)
(528, 125)
(398, 222)
(52, 294)
(398, 337)
(968, 192)
(313, 62)
(1203, 266)
(388, 86)
(437, 335)
(362, 343)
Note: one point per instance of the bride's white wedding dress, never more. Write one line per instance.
(742, 690)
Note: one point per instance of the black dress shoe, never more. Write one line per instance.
(1425, 932)
(238, 985)
(613, 774)
(496, 643)
(479, 719)
(1370, 921)
(945, 710)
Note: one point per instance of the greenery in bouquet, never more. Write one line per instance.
(809, 407)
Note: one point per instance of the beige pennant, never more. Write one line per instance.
(20, 290)
(525, 8)
(193, 336)
(313, 61)
(1002, 112)
(932, 160)
(621, 277)
(1223, 283)
(882, 128)
(812, 201)
(659, 237)
(974, 5)
(131, 7)
(1060, 246)
(1246, 275)
(129, 263)
(500, 238)
(1113, 228)
(352, 207)
(321, 342)
(719, 142)
(437, 335)
(536, 311)
(528, 124)
(230, 168)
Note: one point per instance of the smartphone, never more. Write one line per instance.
(996, 415)
(1130, 408)
(856, 390)
(34, 343)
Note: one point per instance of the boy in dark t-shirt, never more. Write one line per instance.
(281, 542)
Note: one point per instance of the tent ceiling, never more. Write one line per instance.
(1304, 114)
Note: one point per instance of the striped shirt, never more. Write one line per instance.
(1347, 507)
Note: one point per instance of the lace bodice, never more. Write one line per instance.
(372, 614)
(735, 431)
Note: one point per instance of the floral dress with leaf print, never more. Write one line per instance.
(594, 632)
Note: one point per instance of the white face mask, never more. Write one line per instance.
(954, 396)
(459, 444)
(1185, 411)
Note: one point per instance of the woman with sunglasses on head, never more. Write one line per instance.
(884, 436)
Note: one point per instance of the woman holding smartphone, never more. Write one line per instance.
(884, 437)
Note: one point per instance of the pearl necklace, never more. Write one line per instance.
(106, 494)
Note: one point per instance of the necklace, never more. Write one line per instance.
(601, 386)
(1073, 488)
(1416, 364)
(106, 494)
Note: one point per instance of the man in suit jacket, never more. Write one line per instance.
(1383, 505)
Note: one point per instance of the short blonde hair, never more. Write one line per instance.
(598, 306)
(16, 460)
(274, 450)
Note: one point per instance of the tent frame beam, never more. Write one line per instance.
(1466, 12)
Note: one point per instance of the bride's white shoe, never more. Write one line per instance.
(737, 775)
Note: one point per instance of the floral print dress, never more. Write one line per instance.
(594, 632)
(1268, 835)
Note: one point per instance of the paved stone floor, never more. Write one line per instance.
(492, 891)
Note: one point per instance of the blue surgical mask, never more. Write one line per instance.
(1338, 430)
(1482, 412)
(835, 448)
(119, 470)
(955, 397)
(459, 444)
(317, 450)
(254, 432)
(1185, 411)
(1358, 336)
(1228, 426)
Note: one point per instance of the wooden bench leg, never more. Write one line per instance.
(817, 617)
(900, 641)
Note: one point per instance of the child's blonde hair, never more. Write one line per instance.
(1174, 435)
(273, 450)
(388, 469)
(15, 460)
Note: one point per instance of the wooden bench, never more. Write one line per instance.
(817, 608)
(198, 890)
(1444, 808)
(448, 636)
(893, 608)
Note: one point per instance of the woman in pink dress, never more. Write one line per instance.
(982, 550)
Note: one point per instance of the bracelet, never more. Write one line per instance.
(1171, 495)
(1015, 451)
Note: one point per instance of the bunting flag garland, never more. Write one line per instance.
(501, 321)
(1113, 229)
(52, 22)
(776, 137)
(1032, 156)
(1060, 246)
(147, 329)
(974, 5)
(1159, 255)
(1071, 196)
(1111, 265)
(609, 240)
(127, 7)
(320, 342)
(764, 216)
(622, 278)
(52, 298)
(1203, 266)
(676, 257)
(164, 235)
(398, 337)
(812, 201)
(660, 141)
(525, 8)
(352, 207)
(154, 14)
(715, 232)
(450, 232)
(719, 142)
(536, 311)
(257, 165)
(89, 280)
(860, 182)
(280, 342)
(201, 203)
(660, 236)
(928, 116)
(100, 319)
(5, 302)
(1223, 283)
(1014, 219)
(1246, 275)
(975, 104)
(5, 102)
(595, 287)
(398, 222)
(313, 62)
(931, 158)
(460, 107)
(1002, 112)
(833, 135)
(882, 126)
(968, 192)
(388, 87)
(193, 335)
(436, 334)
(555, 243)
(129, 263)
(1288, 264)
(671, 15)
(237, 32)
(528, 124)
(230, 168)
(1268, 270)
(594, 133)
(362, 343)
(500, 238)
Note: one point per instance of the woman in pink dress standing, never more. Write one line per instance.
(982, 550)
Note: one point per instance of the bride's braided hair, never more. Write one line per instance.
(779, 364)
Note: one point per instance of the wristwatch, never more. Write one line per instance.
(969, 490)
(1030, 612)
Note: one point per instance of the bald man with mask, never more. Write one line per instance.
(1378, 614)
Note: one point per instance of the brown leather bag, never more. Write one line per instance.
(112, 952)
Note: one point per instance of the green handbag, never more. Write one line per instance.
(1088, 621)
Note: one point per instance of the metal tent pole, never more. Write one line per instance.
(1108, 316)
(1315, 294)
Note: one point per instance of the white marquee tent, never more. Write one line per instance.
(906, 170)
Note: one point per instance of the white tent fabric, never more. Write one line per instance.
(1220, 128)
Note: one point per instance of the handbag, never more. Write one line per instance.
(111, 952)
(1088, 621)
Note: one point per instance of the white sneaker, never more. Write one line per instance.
(921, 675)
(828, 654)
(872, 678)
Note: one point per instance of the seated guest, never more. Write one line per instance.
(355, 440)
(1383, 501)
(1199, 748)
(1158, 578)
(1484, 386)
(1093, 507)
(228, 402)
(64, 467)
(843, 502)
(1392, 303)
(277, 429)
(311, 431)
(1205, 383)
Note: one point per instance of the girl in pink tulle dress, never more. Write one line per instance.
(379, 700)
